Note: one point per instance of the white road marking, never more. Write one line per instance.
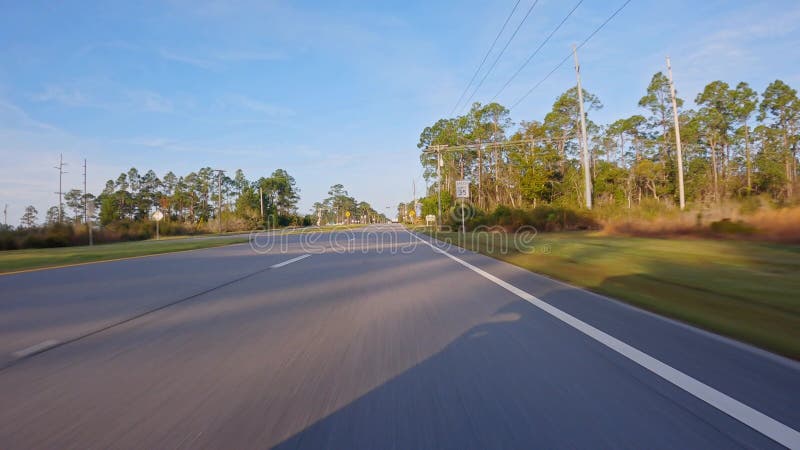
(40, 347)
(756, 420)
(289, 261)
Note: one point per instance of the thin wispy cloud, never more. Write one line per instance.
(117, 98)
(238, 55)
(218, 59)
(63, 95)
(14, 118)
(185, 59)
(267, 109)
(149, 101)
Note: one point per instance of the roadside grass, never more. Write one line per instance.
(749, 291)
(15, 260)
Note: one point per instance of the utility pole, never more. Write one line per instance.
(587, 180)
(5, 215)
(677, 135)
(261, 201)
(86, 205)
(219, 202)
(439, 164)
(414, 195)
(60, 168)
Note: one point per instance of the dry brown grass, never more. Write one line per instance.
(776, 225)
(781, 225)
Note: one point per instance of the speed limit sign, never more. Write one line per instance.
(462, 189)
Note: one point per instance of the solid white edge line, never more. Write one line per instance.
(756, 420)
(289, 261)
(40, 347)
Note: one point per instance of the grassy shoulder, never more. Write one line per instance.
(16, 260)
(27, 259)
(744, 290)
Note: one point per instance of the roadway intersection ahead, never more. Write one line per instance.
(369, 339)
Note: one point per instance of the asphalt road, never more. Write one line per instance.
(366, 339)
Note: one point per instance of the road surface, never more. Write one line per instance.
(371, 338)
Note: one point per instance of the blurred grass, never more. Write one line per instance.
(749, 291)
(13, 260)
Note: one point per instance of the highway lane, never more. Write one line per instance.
(373, 341)
(64, 303)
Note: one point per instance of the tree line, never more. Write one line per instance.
(342, 208)
(736, 144)
(193, 199)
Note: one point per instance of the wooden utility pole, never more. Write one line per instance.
(439, 182)
(587, 179)
(677, 136)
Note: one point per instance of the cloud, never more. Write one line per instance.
(185, 59)
(237, 55)
(115, 98)
(272, 111)
(738, 38)
(12, 117)
(258, 106)
(149, 101)
(113, 45)
(65, 96)
(217, 59)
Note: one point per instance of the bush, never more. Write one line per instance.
(726, 226)
(543, 218)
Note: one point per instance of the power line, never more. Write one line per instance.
(480, 66)
(535, 52)
(569, 55)
(499, 55)
(433, 149)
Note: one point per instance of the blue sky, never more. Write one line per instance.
(333, 92)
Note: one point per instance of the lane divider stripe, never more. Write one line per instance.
(289, 261)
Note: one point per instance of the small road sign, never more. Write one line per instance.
(462, 189)
(347, 214)
(157, 216)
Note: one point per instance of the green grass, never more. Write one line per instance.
(745, 290)
(15, 260)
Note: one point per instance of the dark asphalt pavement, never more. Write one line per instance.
(373, 341)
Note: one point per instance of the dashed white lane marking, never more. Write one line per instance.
(33, 349)
(289, 261)
(756, 420)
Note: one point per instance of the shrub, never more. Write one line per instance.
(726, 226)
(543, 218)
